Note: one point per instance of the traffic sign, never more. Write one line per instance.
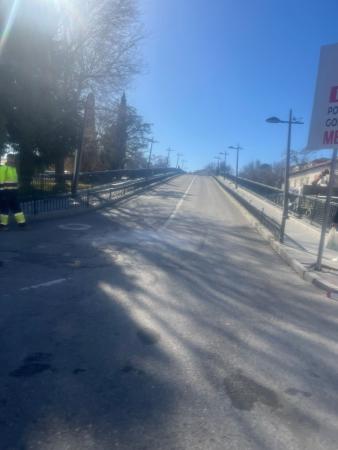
(324, 122)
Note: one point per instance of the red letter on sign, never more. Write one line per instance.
(334, 94)
(328, 137)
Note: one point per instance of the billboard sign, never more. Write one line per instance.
(324, 122)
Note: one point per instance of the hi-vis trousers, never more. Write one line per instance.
(9, 202)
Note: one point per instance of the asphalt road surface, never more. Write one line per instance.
(164, 323)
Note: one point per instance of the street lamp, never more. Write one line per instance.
(225, 161)
(237, 148)
(290, 122)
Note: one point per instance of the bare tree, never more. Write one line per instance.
(56, 56)
(101, 47)
(159, 161)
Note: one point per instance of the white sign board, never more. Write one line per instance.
(324, 122)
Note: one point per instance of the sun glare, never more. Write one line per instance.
(8, 26)
(66, 7)
(69, 8)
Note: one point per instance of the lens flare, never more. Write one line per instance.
(8, 25)
(69, 9)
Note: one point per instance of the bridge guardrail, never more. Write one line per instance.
(49, 184)
(90, 198)
(312, 208)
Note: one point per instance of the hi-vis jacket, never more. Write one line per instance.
(8, 178)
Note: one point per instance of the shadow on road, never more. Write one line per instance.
(149, 321)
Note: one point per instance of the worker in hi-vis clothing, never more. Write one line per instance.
(9, 196)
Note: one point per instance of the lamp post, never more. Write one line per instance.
(237, 148)
(218, 159)
(290, 122)
(225, 161)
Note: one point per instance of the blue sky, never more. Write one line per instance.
(215, 70)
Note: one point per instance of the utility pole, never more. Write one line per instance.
(225, 162)
(237, 148)
(152, 141)
(178, 158)
(218, 159)
(169, 150)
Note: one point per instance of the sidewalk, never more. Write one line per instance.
(301, 241)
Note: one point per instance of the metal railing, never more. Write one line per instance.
(303, 206)
(91, 198)
(49, 184)
(255, 186)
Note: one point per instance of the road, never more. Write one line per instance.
(165, 323)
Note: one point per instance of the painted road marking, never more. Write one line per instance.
(179, 204)
(75, 226)
(47, 284)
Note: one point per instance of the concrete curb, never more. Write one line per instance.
(307, 275)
